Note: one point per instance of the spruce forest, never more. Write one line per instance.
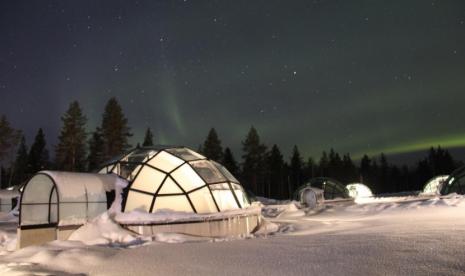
(262, 169)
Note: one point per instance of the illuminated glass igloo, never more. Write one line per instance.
(357, 190)
(455, 183)
(434, 185)
(178, 179)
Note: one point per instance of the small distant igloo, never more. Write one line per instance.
(455, 183)
(434, 185)
(332, 188)
(320, 189)
(359, 190)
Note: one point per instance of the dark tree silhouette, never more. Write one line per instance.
(20, 173)
(96, 150)
(253, 162)
(230, 163)
(9, 138)
(276, 180)
(296, 171)
(115, 130)
(70, 153)
(148, 139)
(38, 158)
(212, 146)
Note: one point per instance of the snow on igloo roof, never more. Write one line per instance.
(176, 178)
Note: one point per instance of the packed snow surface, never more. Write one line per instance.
(166, 216)
(379, 236)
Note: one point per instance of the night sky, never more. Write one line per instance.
(358, 76)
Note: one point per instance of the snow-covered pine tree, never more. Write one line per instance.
(212, 146)
(115, 130)
(70, 153)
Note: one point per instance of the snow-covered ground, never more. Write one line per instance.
(377, 236)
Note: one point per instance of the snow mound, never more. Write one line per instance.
(271, 201)
(7, 242)
(267, 228)
(290, 208)
(53, 258)
(102, 230)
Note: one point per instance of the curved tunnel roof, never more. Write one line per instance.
(51, 197)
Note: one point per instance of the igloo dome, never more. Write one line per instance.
(455, 183)
(332, 188)
(434, 185)
(357, 190)
(178, 179)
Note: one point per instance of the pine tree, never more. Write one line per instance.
(9, 138)
(148, 139)
(310, 169)
(323, 164)
(96, 150)
(253, 162)
(38, 158)
(5, 177)
(115, 130)
(334, 165)
(21, 163)
(365, 169)
(230, 163)
(296, 170)
(70, 153)
(276, 174)
(212, 146)
(200, 149)
(349, 169)
(383, 174)
(440, 161)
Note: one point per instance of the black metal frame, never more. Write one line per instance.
(58, 203)
(168, 174)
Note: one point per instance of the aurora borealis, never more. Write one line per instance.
(358, 76)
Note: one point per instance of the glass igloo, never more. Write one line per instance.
(357, 190)
(332, 188)
(455, 183)
(434, 185)
(178, 179)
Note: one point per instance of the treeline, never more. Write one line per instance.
(76, 150)
(266, 172)
(262, 169)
